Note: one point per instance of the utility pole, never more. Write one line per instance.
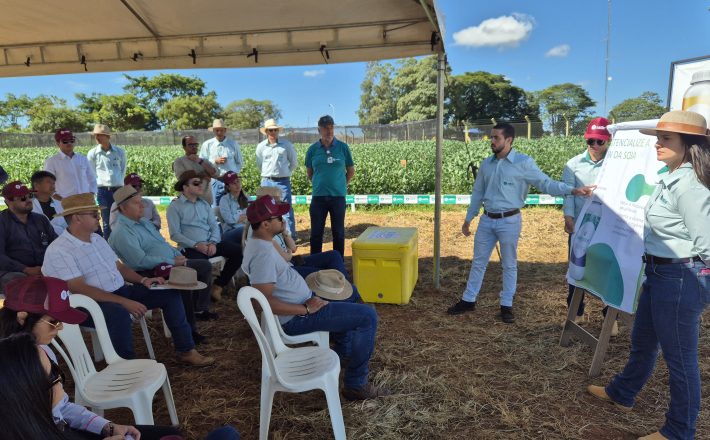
(606, 57)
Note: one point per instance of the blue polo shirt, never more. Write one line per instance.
(329, 168)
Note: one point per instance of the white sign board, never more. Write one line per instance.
(681, 73)
(607, 246)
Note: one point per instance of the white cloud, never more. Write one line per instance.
(504, 31)
(560, 51)
(76, 85)
(314, 73)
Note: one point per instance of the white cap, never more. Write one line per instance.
(703, 75)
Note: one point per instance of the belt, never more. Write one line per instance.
(502, 214)
(652, 259)
(276, 179)
(112, 188)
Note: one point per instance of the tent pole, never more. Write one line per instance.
(441, 71)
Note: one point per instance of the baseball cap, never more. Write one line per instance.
(162, 270)
(15, 189)
(64, 134)
(264, 208)
(597, 129)
(229, 177)
(44, 296)
(132, 179)
(325, 120)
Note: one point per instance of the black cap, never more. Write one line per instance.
(325, 120)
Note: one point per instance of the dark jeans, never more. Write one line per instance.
(234, 235)
(217, 191)
(668, 315)
(148, 432)
(119, 321)
(204, 274)
(320, 207)
(226, 249)
(223, 433)
(323, 260)
(104, 196)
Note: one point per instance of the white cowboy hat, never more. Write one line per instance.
(101, 129)
(329, 284)
(217, 123)
(270, 124)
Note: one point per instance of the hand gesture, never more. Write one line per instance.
(315, 303)
(466, 229)
(584, 191)
(135, 308)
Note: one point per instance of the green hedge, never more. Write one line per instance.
(405, 167)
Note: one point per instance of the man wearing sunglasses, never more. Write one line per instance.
(583, 170)
(72, 170)
(191, 161)
(150, 212)
(24, 235)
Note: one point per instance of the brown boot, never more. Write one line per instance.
(600, 393)
(216, 292)
(195, 359)
(655, 436)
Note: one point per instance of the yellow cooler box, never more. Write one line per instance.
(386, 264)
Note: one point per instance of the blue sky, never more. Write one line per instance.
(547, 42)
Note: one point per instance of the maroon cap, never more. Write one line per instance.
(597, 129)
(44, 296)
(15, 189)
(264, 208)
(162, 270)
(133, 179)
(229, 177)
(64, 134)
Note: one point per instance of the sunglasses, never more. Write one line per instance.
(95, 215)
(599, 142)
(272, 130)
(195, 145)
(29, 196)
(55, 375)
(196, 183)
(54, 323)
(69, 141)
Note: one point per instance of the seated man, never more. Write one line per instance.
(141, 247)
(353, 326)
(86, 262)
(194, 228)
(150, 213)
(46, 200)
(24, 235)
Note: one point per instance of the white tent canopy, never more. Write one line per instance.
(42, 37)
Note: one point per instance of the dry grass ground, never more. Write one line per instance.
(463, 377)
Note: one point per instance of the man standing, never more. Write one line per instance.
(330, 168)
(44, 201)
(24, 235)
(276, 158)
(109, 164)
(89, 266)
(73, 172)
(191, 161)
(583, 169)
(222, 152)
(501, 187)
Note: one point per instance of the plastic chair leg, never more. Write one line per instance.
(170, 402)
(142, 409)
(95, 345)
(267, 400)
(166, 331)
(146, 336)
(332, 396)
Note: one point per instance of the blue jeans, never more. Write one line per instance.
(234, 235)
(223, 433)
(353, 328)
(320, 207)
(104, 196)
(324, 260)
(284, 184)
(217, 191)
(506, 231)
(119, 321)
(668, 315)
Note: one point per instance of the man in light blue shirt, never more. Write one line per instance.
(276, 158)
(224, 153)
(501, 187)
(109, 164)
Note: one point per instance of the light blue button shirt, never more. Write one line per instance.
(276, 160)
(190, 223)
(212, 149)
(581, 170)
(678, 216)
(139, 244)
(109, 165)
(502, 184)
(230, 211)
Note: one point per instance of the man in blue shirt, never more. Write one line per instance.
(224, 153)
(330, 167)
(501, 187)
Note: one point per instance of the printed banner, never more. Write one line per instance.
(607, 246)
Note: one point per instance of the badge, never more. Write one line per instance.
(330, 159)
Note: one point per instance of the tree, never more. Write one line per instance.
(646, 106)
(153, 93)
(249, 113)
(120, 112)
(12, 110)
(484, 95)
(564, 101)
(49, 113)
(415, 89)
(189, 112)
(378, 103)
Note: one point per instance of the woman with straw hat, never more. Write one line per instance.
(677, 286)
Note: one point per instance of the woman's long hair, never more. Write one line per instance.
(26, 397)
(698, 151)
(10, 326)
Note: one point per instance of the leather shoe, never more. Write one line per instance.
(367, 391)
(462, 307)
(206, 316)
(655, 436)
(600, 393)
(216, 292)
(195, 359)
(198, 338)
(506, 314)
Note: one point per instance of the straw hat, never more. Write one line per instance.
(123, 194)
(101, 129)
(270, 124)
(329, 284)
(683, 122)
(217, 123)
(178, 277)
(78, 203)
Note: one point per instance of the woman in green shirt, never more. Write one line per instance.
(677, 286)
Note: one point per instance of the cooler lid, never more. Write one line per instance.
(376, 237)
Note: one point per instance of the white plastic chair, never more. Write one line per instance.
(123, 383)
(288, 369)
(96, 344)
(321, 339)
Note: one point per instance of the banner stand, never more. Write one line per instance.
(599, 345)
